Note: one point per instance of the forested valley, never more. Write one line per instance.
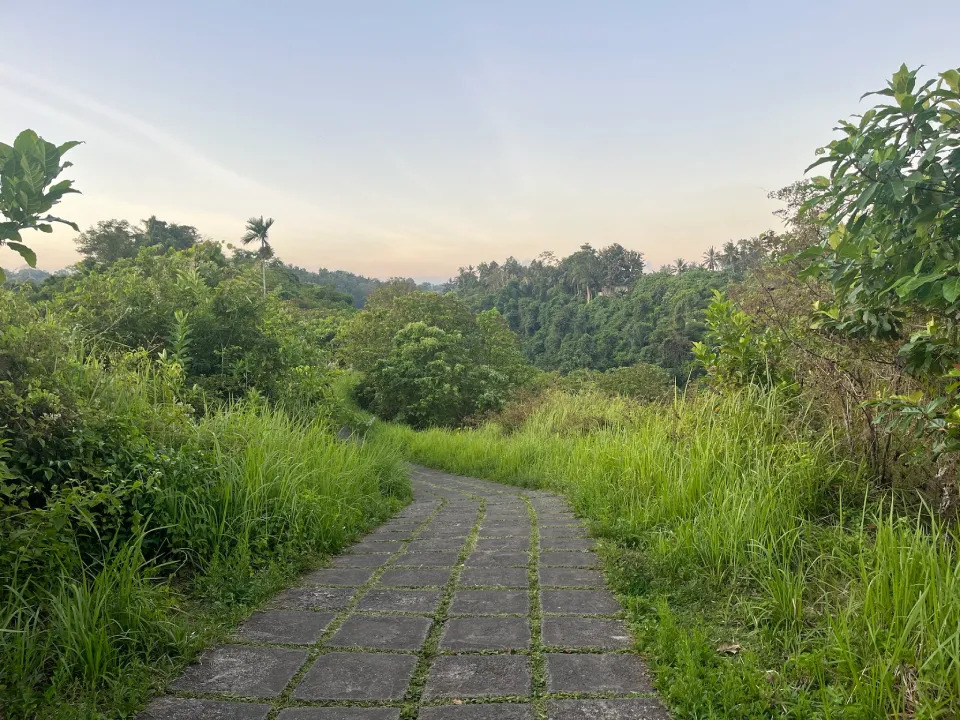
(763, 439)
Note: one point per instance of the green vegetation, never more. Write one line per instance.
(167, 454)
(596, 310)
(734, 520)
(767, 442)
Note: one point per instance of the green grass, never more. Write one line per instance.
(279, 493)
(736, 521)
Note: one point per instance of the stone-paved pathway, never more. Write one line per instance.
(479, 601)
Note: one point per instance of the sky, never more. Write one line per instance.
(411, 138)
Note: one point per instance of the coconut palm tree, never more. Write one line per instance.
(258, 230)
(679, 266)
(711, 259)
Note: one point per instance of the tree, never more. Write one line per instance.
(158, 233)
(619, 267)
(27, 169)
(891, 207)
(258, 230)
(582, 269)
(711, 259)
(679, 266)
(109, 241)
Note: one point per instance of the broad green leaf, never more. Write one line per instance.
(26, 253)
(951, 289)
(952, 78)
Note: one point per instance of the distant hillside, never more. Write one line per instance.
(356, 286)
(26, 274)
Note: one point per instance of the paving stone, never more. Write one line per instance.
(382, 633)
(171, 708)
(597, 673)
(569, 559)
(241, 670)
(387, 547)
(478, 711)
(357, 676)
(490, 602)
(582, 602)
(285, 627)
(313, 598)
(498, 559)
(430, 577)
(494, 532)
(464, 676)
(570, 577)
(486, 633)
(561, 533)
(391, 527)
(567, 544)
(495, 577)
(427, 559)
(570, 631)
(390, 536)
(622, 709)
(339, 713)
(509, 544)
(353, 577)
(361, 560)
(436, 544)
(409, 601)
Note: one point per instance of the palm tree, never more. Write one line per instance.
(257, 231)
(730, 259)
(711, 259)
(679, 266)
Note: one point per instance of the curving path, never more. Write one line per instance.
(479, 601)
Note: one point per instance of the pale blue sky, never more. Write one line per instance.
(408, 138)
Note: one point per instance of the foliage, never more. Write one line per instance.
(734, 521)
(27, 169)
(891, 212)
(111, 240)
(427, 359)
(736, 353)
(429, 378)
(630, 318)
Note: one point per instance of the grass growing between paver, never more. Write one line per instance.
(763, 575)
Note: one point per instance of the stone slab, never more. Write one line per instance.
(357, 676)
(478, 711)
(339, 713)
(560, 533)
(564, 558)
(570, 631)
(427, 559)
(313, 598)
(285, 627)
(509, 544)
(566, 544)
(372, 632)
(387, 547)
(253, 672)
(172, 708)
(622, 709)
(498, 559)
(495, 577)
(430, 577)
(570, 577)
(579, 602)
(486, 633)
(351, 577)
(490, 602)
(406, 601)
(467, 676)
(361, 560)
(435, 544)
(597, 674)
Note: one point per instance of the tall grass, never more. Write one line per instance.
(271, 494)
(741, 512)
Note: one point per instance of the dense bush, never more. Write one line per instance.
(428, 360)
